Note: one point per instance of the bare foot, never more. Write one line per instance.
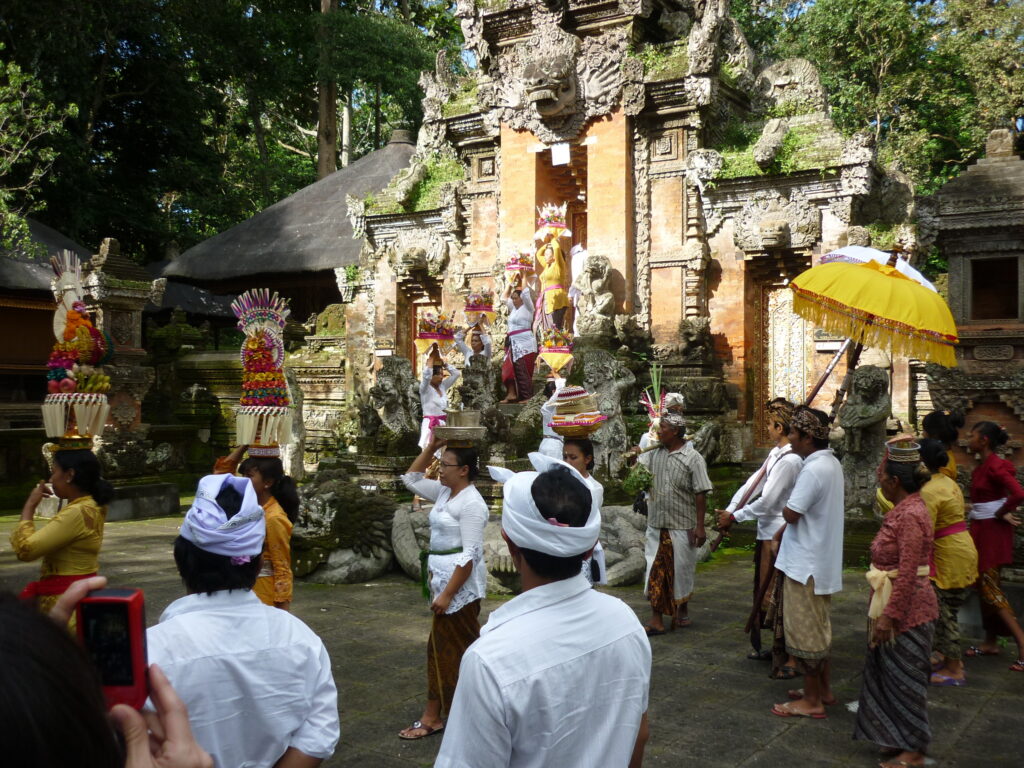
(796, 694)
(903, 759)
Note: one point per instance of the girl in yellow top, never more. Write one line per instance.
(554, 283)
(70, 542)
(943, 426)
(954, 562)
(277, 494)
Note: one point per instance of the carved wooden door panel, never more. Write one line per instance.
(783, 352)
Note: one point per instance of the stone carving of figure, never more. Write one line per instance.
(863, 418)
(399, 409)
(610, 381)
(477, 388)
(596, 301)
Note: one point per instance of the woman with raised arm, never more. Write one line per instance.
(520, 343)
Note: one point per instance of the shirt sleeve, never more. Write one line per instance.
(476, 734)
(319, 733)
(31, 544)
(463, 347)
(1006, 477)
(472, 521)
(417, 483)
(278, 551)
(805, 493)
(699, 479)
(453, 376)
(737, 497)
(485, 339)
(912, 554)
(527, 296)
(776, 490)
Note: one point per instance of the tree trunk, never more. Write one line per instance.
(327, 125)
(256, 118)
(346, 129)
(376, 117)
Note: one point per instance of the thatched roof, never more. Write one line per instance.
(308, 231)
(22, 272)
(189, 298)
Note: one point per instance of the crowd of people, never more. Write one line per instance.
(558, 675)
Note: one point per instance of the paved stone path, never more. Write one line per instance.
(709, 705)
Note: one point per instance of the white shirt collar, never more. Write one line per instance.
(818, 455)
(200, 601)
(535, 599)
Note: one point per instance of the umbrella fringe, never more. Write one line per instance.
(872, 330)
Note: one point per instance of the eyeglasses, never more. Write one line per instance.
(445, 464)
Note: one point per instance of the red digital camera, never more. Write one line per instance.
(112, 629)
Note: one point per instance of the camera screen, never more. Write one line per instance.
(106, 637)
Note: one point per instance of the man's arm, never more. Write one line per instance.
(637, 760)
(790, 516)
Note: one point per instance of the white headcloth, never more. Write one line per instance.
(524, 524)
(674, 400)
(208, 527)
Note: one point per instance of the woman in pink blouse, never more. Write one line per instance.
(893, 709)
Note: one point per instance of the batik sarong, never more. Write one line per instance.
(671, 565)
(893, 709)
(450, 635)
(807, 622)
(992, 602)
(947, 628)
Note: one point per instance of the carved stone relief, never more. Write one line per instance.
(803, 219)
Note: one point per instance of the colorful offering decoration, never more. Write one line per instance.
(520, 261)
(263, 419)
(653, 397)
(551, 222)
(480, 306)
(576, 413)
(435, 328)
(555, 348)
(76, 407)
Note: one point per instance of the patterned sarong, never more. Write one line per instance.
(520, 372)
(807, 624)
(893, 709)
(775, 620)
(947, 628)
(670, 576)
(450, 635)
(992, 602)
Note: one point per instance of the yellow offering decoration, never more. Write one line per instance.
(480, 306)
(435, 329)
(555, 348)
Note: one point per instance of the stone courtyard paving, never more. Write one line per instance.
(709, 705)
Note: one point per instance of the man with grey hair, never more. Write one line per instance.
(675, 523)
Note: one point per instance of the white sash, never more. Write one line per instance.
(986, 510)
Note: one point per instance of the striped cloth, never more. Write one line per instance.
(893, 709)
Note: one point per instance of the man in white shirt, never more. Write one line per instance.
(811, 557)
(560, 674)
(257, 681)
(762, 498)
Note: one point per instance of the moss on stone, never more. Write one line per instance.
(802, 149)
(463, 101)
(663, 62)
(426, 195)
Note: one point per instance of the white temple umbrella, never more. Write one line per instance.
(858, 254)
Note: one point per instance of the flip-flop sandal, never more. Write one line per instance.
(652, 632)
(786, 672)
(976, 651)
(784, 710)
(945, 680)
(421, 727)
(1017, 666)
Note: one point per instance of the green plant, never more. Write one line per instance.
(638, 479)
(440, 169)
(728, 74)
(883, 236)
(352, 274)
(463, 101)
(662, 62)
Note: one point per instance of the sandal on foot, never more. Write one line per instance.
(786, 710)
(418, 726)
(1017, 666)
(976, 651)
(683, 622)
(653, 632)
(785, 672)
(795, 694)
(760, 655)
(946, 680)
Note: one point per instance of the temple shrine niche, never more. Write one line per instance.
(698, 180)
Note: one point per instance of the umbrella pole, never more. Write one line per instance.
(828, 372)
(841, 394)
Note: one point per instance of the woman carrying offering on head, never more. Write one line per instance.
(954, 561)
(70, 542)
(995, 496)
(578, 452)
(434, 386)
(554, 283)
(520, 343)
(277, 494)
(479, 343)
(454, 575)
(893, 709)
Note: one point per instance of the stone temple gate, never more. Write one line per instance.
(704, 178)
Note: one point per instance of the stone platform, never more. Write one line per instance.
(708, 704)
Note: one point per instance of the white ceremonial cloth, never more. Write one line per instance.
(559, 677)
(813, 546)
(521, 320)
(454, 522)
(768, 499)
(256, 680)
(207, 526)
(552, 442)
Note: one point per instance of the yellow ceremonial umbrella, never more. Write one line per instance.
(874, 304)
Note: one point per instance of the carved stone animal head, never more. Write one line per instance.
(597, 267)
(550, 83)
(869, 384)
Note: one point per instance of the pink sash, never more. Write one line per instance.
(949, 530)
(433, 421)
(539, 303)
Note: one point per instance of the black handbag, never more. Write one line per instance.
(640, 504)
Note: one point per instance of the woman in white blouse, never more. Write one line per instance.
(479, 343)
(578, 452)
(454, 574)
(434, 386)
(520, 343)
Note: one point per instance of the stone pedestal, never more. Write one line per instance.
(136, 502)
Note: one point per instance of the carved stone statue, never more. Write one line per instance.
(610, 381)
(477, 387)
(863, 419)
(596, 302)
(396, 395)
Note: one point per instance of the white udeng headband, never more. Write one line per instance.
(524, 524)
(208, 527)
